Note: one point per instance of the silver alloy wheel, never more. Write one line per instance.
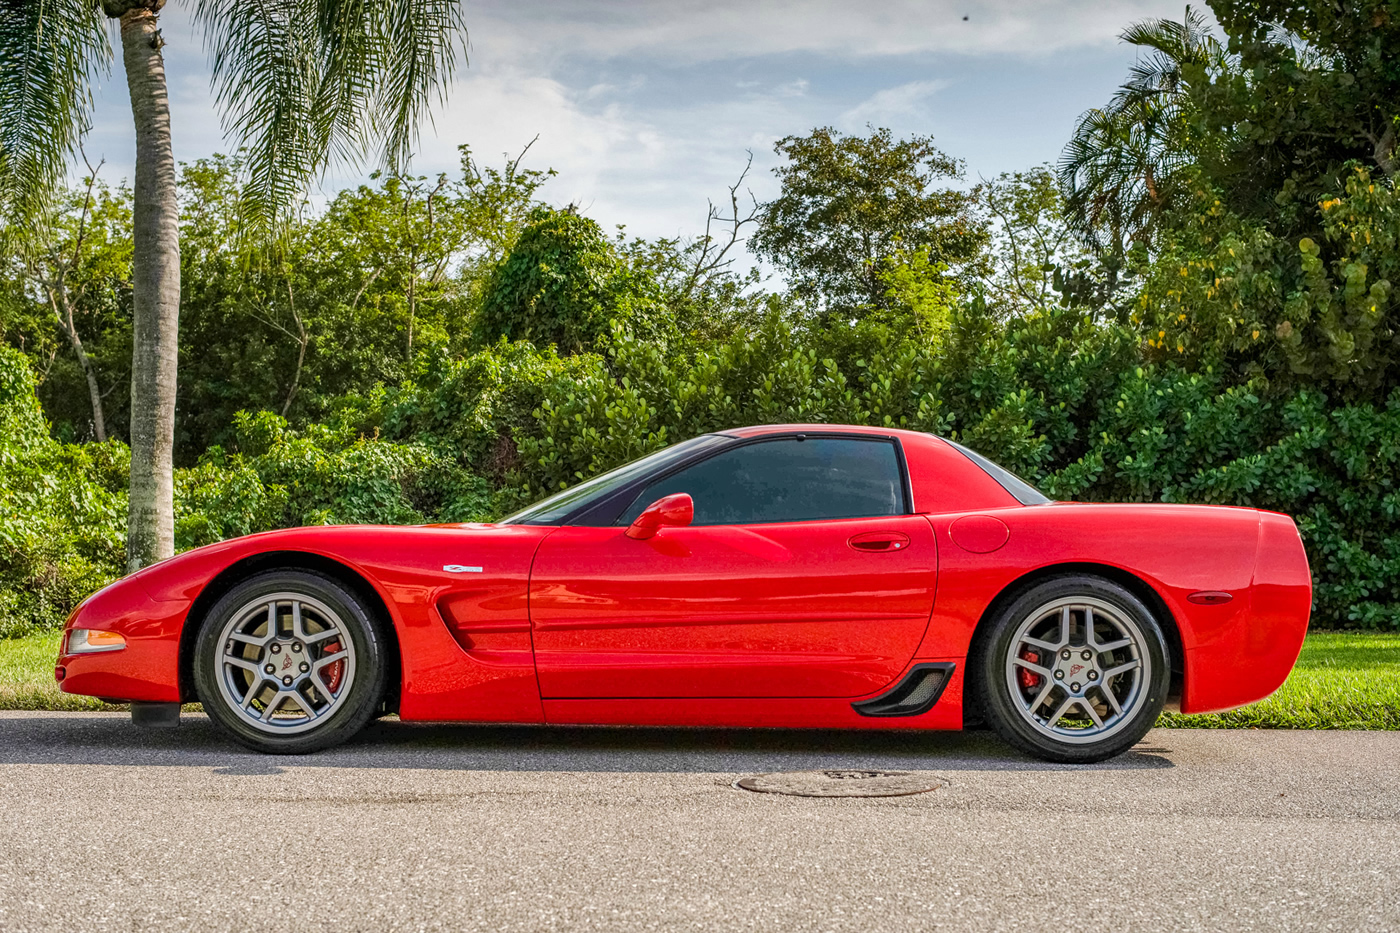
(1078, 669)
(287, 663)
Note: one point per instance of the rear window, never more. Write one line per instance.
(1025, 493)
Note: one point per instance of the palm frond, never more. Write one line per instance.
(302, 83)
(1187, 41)
(50, 52)
(1102, 174)
(1125, 161)
(1171, 46)
(425, 33)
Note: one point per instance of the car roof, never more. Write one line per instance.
(762, 429)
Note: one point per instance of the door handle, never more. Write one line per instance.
(879, 541)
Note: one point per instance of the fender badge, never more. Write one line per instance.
(460, 568)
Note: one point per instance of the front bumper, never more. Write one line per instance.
(148, 668)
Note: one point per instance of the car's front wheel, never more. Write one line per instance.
(290, 662)
(1074, 669)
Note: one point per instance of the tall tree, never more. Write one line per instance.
(849, 203)
(299, 82)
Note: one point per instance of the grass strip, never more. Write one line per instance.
(1343, 680)
(26, 676)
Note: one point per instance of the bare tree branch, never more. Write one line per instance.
(710, 258)
(62, 303)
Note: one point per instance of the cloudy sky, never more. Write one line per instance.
(648, 107)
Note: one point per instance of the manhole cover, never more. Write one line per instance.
(842, 783)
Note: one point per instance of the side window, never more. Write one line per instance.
(787, 480)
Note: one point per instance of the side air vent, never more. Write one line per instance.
(912, 696)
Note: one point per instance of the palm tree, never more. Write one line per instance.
(299, 83)
(1125, 161)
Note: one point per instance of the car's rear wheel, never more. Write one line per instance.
(1074, 669)
(289, 662)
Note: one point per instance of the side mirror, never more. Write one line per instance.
(676, 509)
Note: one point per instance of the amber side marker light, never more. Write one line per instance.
(91, 641)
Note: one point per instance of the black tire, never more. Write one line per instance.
(1006, 691)
(348, 696)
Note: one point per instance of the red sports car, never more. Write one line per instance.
(791, 575)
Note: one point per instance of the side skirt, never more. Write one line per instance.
(915, 695)
(759, 712)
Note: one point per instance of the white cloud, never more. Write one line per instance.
(630, 151)
(894, 103)
(646, 107)
(649, 165)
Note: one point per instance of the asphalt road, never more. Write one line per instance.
(103, 827)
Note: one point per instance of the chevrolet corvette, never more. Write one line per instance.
(807, 576)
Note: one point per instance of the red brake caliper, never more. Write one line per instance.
(334, 672)
(1029, 679)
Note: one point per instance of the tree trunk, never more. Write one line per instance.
(70, 330)
(303, 338)
(155, 268)
(1385, 151)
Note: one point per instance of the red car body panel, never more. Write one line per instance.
(1230, 658)
(779, 610)
(760, 625)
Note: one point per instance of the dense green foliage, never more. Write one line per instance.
(450, 350)
(1313, 310)
(62, 511)
(279, 478)
(1315, 94)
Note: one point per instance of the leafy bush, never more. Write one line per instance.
(1318, 310)
(465, 409)
(281, 478)
(62, 510)
(563, 283)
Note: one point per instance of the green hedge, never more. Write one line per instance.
(63, 506)
(62, 510)
(1060, 397)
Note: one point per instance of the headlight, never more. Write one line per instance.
(91, 641)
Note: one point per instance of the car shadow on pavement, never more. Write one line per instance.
(111, 739)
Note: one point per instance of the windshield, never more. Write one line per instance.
(559, 506)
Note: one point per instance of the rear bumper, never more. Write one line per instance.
(1254, 656)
